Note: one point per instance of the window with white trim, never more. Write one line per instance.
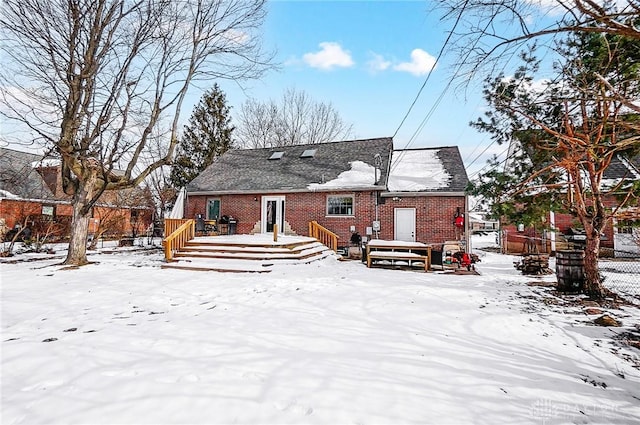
(340, 205)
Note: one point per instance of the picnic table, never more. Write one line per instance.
(398, 253)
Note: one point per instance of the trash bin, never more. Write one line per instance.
(233, 223)
(364, 253)
(570, 270)
(199, 223)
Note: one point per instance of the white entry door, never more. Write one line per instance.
(272, 213)
(404, 224)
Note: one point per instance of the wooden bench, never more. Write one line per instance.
(379, 250)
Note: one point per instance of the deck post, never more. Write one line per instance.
(275, 233)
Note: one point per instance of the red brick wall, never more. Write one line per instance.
(565, 221)
(562, 222)
(305, 207)
(434, 215)
(242, 207)
(13, 211)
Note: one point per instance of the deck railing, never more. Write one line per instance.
(323, 235)
(179, 232)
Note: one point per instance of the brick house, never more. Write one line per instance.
(620, 238)
(358, 186)
(31, 189)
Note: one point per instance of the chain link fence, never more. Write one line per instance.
(621, 274)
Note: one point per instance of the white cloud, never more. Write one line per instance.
(543, 4)
(330, 56)
(421, 63)
(236, 36)
(538, 87)
(555, 8)
(377, 63)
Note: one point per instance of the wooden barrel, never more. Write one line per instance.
(570, 270)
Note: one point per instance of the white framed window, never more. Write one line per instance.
(340, 205)
(213, 209)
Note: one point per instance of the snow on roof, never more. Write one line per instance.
(417, 170)
(8, 195)
(361, 174)
(46, 162)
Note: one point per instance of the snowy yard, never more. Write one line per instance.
(122, 341)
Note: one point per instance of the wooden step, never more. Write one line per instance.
(292, 256)
(299, 252)
(244, 253)
(248, 242)
(234, 265)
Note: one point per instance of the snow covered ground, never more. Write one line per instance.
(122, 341)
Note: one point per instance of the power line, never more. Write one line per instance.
(446, 42)
(444, 91)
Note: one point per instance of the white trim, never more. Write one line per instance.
(419, 194)
(395, 223)
(212, 198)
(552, 234)
(353, 205)
(279, 212)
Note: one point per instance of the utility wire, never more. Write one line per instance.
(446, 42)
(455, 75)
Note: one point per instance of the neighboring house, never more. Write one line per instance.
(360, 186)
(478, 222)
(31, 190)
(621, 238)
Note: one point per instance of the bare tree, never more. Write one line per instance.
(489, 33)
(257, 128)
(95, 79)
(296, 120)
(163, 194)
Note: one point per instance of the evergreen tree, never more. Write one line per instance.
(565, 137)
(207, 136)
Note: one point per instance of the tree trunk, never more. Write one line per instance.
(77, 254)
(592, 283)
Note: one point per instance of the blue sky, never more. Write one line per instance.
(369, 59)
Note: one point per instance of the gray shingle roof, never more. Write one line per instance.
(452, 162)
(622, 168)
(18, 176)
(250, 170)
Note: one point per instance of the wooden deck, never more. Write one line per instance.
(246, 253)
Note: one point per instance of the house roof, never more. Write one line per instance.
(346, 165)
(335, 165)
(427, 170)
(623, 168)
(25, 175)
(19, 176)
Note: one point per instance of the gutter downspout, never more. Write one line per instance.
(467, 227)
